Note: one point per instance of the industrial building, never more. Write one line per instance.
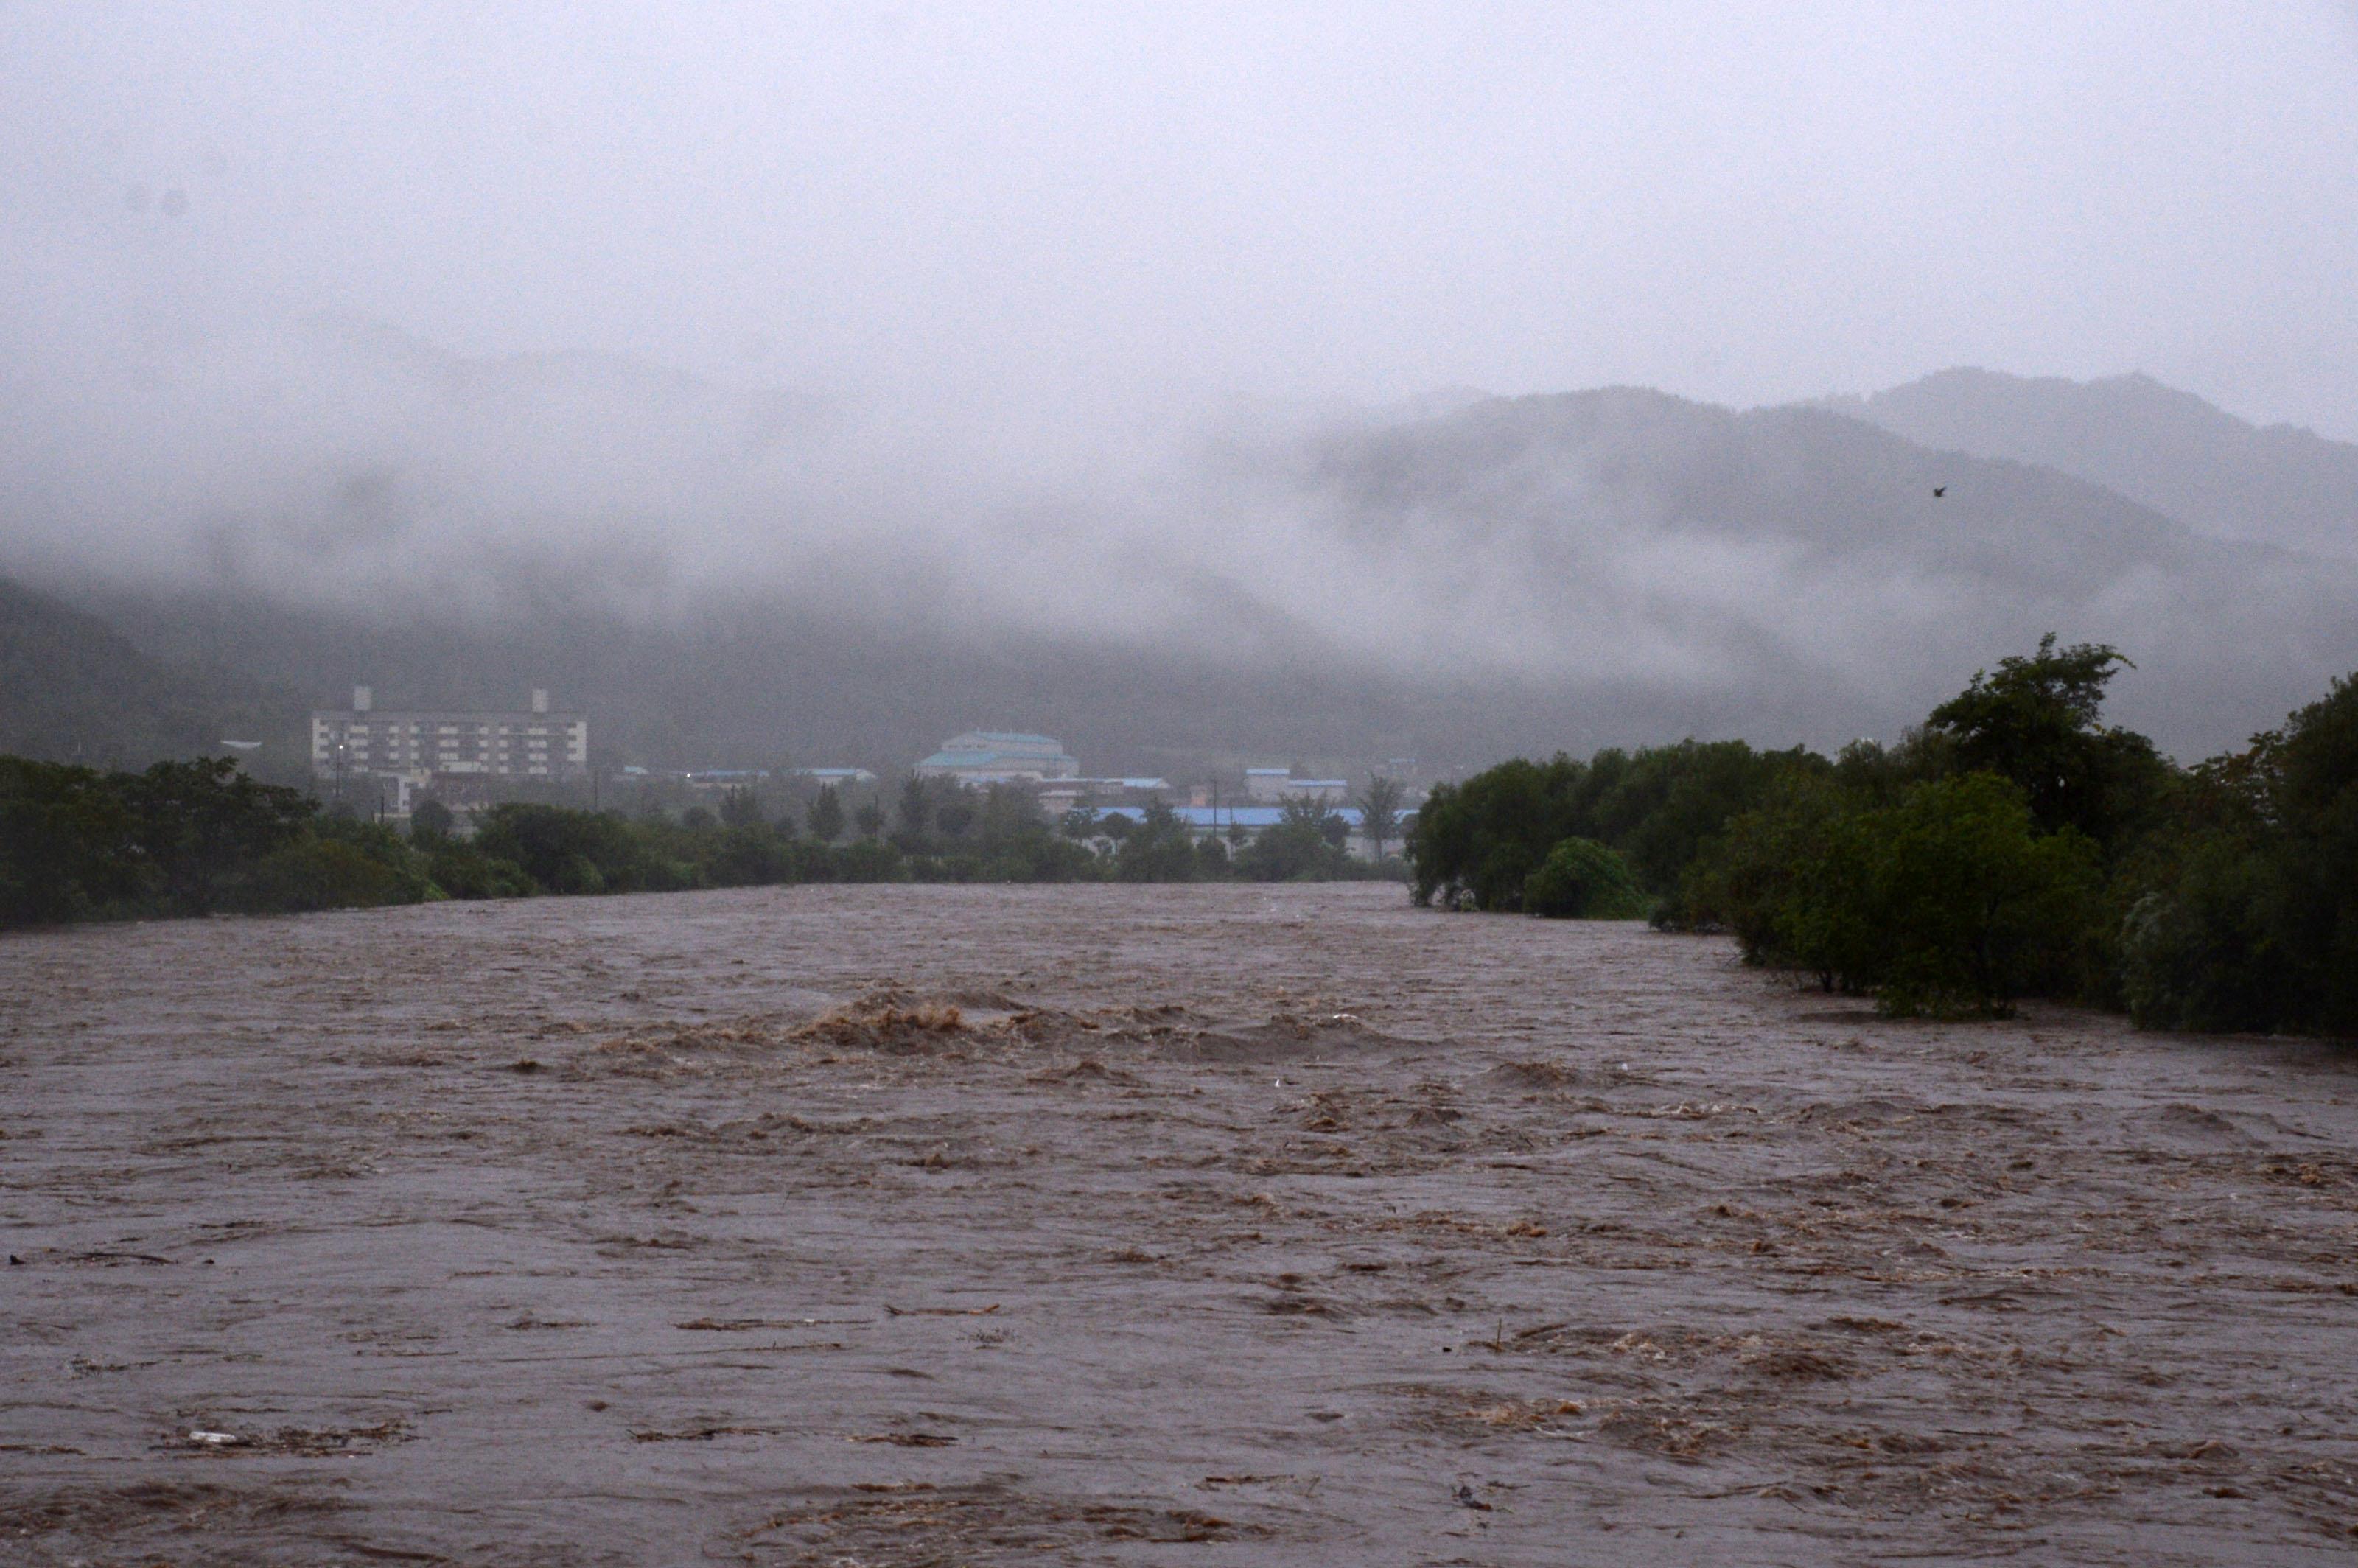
(994, 756)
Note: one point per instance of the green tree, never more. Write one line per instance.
(1978, 907)
(752, 854)
(915, 809)
(1212, 861)
(567, 851)
(68, 846)
(1661, 806)
(2038, 722)
(430, 823)
(2245, 914)
(1476, 843)
(198, 822)
(463, 870)
(870, 819)
(2316, 794)
(1157, 850)
(827, 815)
(341, 865)
(1788, 879)
(1379, 812)
(1294, 849)
(954, 811)
(1950, 900)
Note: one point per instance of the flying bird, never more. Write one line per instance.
(1938, 491)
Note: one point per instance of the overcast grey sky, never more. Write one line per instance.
(1072, 204)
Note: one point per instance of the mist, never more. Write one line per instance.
(1227, 338)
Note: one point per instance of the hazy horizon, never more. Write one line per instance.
(1067, 323)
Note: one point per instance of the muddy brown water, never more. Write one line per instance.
(1195, 1225)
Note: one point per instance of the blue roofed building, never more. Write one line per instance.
(998, 756)
(1248, 822)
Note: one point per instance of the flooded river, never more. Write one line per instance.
(1202, 1226)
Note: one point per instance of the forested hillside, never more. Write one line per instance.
(1607, 567)
(1827, 576)
(2166, 449)
(73, 689)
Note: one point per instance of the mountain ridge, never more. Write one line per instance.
(2156, 444)
(1608, 565)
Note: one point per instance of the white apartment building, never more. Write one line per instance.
(419, 744)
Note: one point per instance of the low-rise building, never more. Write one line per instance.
(1059, 795)
(1271, 785)
(1246, 823)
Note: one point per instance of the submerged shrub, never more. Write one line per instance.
(463, 871)
(1947, 900)
(326, 873)
(1583, 880)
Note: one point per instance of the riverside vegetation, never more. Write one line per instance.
(198, 838)
(2012, 845)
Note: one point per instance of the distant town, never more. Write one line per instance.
(386, 762)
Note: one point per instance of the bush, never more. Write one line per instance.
(570, 851)
(869, 861)
(323, 873)
(462, 871)
(1583, 880)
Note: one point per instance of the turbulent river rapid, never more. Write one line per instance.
(1153, 1225)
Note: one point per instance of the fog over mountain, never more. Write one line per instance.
(815, 381)
(725, 575)
(2280, 484)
